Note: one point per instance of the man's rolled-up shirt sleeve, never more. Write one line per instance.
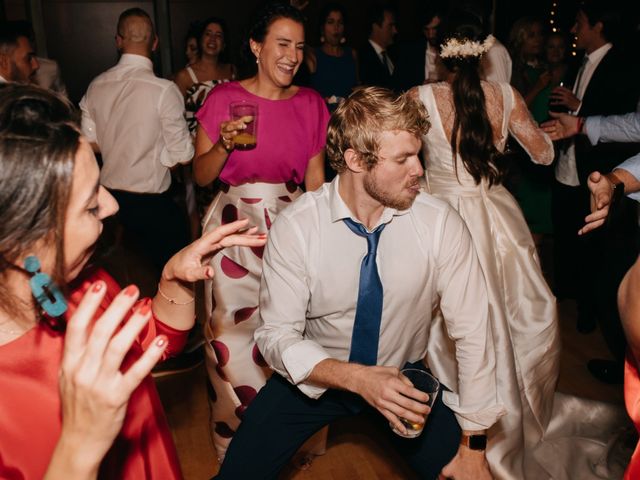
(614, 128)
(88, 126)
(632, 165)
(284, 297)
(465, 308)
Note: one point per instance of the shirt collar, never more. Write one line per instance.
(3, 80)
(376, 47)
(598, 53)
(339, 210)
(136, 60)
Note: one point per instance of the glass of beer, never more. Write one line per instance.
(247, 138)
(424, 382)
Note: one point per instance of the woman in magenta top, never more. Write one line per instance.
(256, 184)
(76, 397)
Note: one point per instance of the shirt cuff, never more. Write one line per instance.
(631, 166)
(592, 128)
(478, 420)
(299, 360)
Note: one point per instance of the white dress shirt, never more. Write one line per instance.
(496, 64)
(137, 120)
(379, 51)
(425, 259)
(430, 54)
(48, 76)
(566, 170)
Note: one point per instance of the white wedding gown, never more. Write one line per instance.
(522, 308)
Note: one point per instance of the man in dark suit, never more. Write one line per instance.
(417, 61)
(375, 65)
(606, 84)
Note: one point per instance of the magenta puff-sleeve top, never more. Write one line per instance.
(290, 133)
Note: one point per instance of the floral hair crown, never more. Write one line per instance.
(466, 48)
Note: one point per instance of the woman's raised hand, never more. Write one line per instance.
(192, 262)
(94, 391)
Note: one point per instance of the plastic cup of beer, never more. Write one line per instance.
(426, 383)
(247, 138)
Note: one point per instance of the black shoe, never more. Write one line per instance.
(586, 323)
(182, 363)
(607, 371)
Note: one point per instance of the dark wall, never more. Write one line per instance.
(80, 34)
(81, 37)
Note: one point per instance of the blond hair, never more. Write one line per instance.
(361, 118)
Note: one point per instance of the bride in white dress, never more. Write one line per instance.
(470, 122)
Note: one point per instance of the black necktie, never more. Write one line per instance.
(580, 74)
(385, 61)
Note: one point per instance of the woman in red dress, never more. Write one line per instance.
(629, 305)
(77, 400)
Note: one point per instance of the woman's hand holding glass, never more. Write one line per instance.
(230, 129)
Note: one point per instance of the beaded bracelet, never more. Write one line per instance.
(171, 300)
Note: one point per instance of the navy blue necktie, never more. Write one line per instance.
(366, 327)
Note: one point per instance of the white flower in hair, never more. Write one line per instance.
(466, 47)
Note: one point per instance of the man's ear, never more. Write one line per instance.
(598, 27)
(154, 46)
(354, 161)
(119, 42)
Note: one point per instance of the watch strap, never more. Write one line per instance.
(474, 442)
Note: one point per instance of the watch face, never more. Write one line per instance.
(478, 442)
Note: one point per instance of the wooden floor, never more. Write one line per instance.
(355, 450)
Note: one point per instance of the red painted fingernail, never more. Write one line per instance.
(145, 308)
(131, 291)
(97, 286)
(162, 340)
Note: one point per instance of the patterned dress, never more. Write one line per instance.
(256, 184)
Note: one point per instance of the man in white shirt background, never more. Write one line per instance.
(351, 275)
(136, 121)
(606, 84)
(18, 61)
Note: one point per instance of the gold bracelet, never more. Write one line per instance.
(172, 301)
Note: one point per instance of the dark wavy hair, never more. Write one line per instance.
(263, 18)
(202, 27)
(39, 138)
(608, 12)
(471, 136)
(327, 10)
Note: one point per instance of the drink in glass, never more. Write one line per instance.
(424, 382)
(247, 138)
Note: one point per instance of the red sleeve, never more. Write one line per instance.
(177, 338)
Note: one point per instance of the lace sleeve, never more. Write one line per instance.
(522, 126)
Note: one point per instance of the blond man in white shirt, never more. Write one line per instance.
(309, 304)
(136, 120)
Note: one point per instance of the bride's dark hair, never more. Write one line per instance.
(471, 136)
